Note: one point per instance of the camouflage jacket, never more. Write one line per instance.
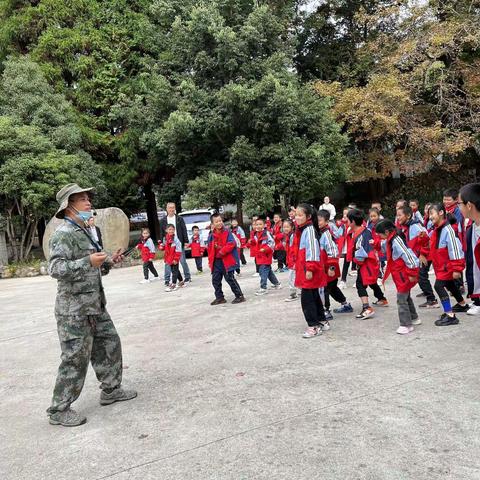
(80, 290)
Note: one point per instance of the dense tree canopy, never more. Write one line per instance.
(256, 102)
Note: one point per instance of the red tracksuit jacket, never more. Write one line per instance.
(308, 259)
(402, 267)
(264, 241)
(172, 249)
(291, 248)
(446, 252)
(221, 244)
(278, 236)
(146, 253)
(196, 246)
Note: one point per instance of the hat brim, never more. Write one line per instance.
(61, 211)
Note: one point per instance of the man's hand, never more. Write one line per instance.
(262, 250)
(423, 260)
(309, 275)
(97, 258)
(117, 257)
(457, 275)
(331, 273)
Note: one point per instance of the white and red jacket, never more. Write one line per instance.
(473, 261)
(222, 245)
(252, 244)
(329, 253)
(147, 250)
(263, 241)
(365, 255)
(278, 236)
(197, 245)
(291, 248)
(240, 235)
(172, 248)
(342, 230)
(417, 237)
(446, 252)
(402, 263)
(308, 259)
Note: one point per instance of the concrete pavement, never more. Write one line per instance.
(234, 392)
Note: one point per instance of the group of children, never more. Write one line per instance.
(309, 245)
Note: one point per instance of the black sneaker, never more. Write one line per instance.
(239, 300)
(446, 320)
(460, 308)
(218, 301)
(430, 304)
(420, 295)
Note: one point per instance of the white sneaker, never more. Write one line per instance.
(256, 274)
(342, 285)
(278, 286)
(379, 282)
(325, 326)
(262, 291)
(473, 310)
(155, 279)
(291, 298)
(312, 332)
(145, 280)
(172, 288)
(417, 321)
(404, 330)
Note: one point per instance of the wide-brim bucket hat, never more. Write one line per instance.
(65, 193)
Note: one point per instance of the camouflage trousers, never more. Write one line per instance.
(85, 339)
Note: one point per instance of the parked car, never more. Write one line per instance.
(199, 218)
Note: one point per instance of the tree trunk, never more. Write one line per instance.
(240, 213)
(42, 225)
(3, 249)
(284, 205)
(152, 215)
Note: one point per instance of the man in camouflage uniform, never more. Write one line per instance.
(85, 329)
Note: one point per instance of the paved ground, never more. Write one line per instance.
(234, 392)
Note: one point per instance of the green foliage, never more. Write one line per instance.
(39, 151)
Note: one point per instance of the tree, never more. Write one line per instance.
(420, 108)
(39, 151)
(236, 107)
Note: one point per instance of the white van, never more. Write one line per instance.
(200, 218)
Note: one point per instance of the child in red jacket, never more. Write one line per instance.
(403, 265)
(448, 262)
(469, 202)
(309, 272)
(291, 248)
(330, 259)
(417, 238)
(365, 256)
(264, 245)
(223, 259)
(172, 253)
(279, 251)
(252, 246)
(239, 233)
(147, 250)
(197, 247)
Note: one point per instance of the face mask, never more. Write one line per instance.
(85, 216)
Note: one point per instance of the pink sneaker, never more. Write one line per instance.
(312, 332)
(404, 330)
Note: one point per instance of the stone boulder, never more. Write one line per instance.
(113, 224)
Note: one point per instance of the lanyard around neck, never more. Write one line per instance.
(92, 241)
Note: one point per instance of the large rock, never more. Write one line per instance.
(112, 222)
